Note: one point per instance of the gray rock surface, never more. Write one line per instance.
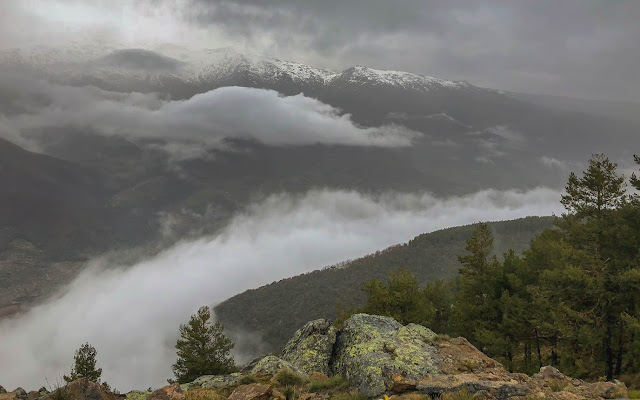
(371, 349)
(214, 381)
(310, 348)
(270, 365)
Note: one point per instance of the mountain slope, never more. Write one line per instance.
(276, 309)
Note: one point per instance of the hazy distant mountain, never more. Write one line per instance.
(616, 110)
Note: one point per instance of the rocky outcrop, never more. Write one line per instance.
(254, 391)
(310, 348)
(370, 350)
(379, 356)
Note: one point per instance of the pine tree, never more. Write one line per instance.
(635, 181)
(401, 299)
(590, 283)
(599, 189)
(85, 365)
(476, 306)
(202, 348)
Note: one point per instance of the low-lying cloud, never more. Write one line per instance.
(202, 121)
(132, 314)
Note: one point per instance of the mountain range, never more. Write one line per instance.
(80, 192)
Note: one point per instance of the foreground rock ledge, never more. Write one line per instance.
(378, 356)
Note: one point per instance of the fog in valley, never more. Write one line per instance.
(131, 315)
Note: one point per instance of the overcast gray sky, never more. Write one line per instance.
(580, 48)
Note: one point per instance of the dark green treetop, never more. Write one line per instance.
(85, 365)
(202, 348)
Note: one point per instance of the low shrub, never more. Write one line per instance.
(288, 378)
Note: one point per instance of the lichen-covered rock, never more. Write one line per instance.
(214, 381)
(138, 395)
(371, 349)
(21, 393)
(254, 391)
(310, 348)
(170, 392)
(270, 365)
(33, 395)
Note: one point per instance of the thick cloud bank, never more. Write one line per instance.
(203, 120)
(132, 315)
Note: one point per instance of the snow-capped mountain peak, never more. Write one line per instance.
(208, 68)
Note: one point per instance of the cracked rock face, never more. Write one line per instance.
(310, 348)
(370, 350)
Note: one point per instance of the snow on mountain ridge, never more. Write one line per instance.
(210, 65)
(404, 80)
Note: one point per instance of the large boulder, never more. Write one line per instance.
(2, 390)
(370, 350)
(215, 381)
(254, 391)
(310, 348)
(270, 365)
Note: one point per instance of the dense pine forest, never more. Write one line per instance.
(571, 300)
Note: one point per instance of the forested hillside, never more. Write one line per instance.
(275, 310)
